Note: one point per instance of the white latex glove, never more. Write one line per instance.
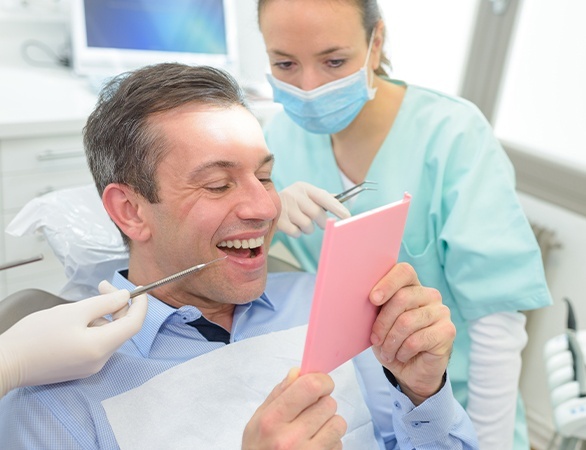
(68, 341)
(303, 204)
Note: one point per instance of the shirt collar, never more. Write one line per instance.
(158, 312)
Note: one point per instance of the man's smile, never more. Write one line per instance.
(249, 248)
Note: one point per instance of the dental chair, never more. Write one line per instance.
(25, 302)
(566, 380)
(79, 231)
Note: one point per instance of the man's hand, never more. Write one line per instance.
(298, 414)
(303, 204)
(413, 334)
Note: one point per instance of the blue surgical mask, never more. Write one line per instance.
(329, 108)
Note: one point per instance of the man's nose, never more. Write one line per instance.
(259, 202)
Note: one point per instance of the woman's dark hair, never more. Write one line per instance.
(371, 16)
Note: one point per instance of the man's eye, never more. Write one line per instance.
(266, 181)
(222, 188)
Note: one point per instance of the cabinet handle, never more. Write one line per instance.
(21, 262)
(50, 155)
(45, 191)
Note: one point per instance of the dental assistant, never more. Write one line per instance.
(345, 120)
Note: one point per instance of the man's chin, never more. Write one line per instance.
(248, 292)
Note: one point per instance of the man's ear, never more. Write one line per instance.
(124, 208)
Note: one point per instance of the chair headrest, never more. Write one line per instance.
(79, 232)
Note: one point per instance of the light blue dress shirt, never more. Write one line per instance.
(466, 233)
(69, 415)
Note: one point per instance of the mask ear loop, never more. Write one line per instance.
(371, 81)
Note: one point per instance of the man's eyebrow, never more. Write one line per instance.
(225, 164)
(267, 159)
(218, 164)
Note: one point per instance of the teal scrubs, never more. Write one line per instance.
(466, 233)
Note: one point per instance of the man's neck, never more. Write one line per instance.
(219, 313)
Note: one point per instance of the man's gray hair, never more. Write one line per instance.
(120, 145)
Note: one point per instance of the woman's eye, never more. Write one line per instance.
(336, 62)
(283, 65)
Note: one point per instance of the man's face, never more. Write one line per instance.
(216, 199)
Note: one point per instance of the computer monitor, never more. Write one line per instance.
(113, 36)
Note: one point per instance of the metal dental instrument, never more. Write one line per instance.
(171, 278)
(354, 190)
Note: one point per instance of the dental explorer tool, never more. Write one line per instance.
(174, 277)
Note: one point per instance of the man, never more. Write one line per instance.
(184, 172)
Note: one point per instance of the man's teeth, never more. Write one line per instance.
(246, 243)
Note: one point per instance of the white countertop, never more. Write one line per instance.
(41, 102)
(37, 101)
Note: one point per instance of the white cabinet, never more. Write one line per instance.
(42, 114)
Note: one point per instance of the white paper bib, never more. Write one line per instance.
(205, 403)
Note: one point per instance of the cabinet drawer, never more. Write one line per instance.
(45, 154)
(17, 190)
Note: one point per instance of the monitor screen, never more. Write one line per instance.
(113, 36)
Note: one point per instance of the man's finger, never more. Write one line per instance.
(292, 375)
(435, 339)
(400, 275)
(330, 435)
(315, 416)
(406, 299)
(300, 394)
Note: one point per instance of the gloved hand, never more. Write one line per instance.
(68, 341)
(302, 204)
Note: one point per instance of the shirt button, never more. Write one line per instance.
(397, 405)
(416, 424)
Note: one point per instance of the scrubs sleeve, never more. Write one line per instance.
(491, 258)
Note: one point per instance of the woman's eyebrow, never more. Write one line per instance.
(280, 53)
(327, 51)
